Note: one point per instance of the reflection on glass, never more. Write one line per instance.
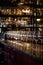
(34, 48)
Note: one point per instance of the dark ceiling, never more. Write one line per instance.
(8, 2)
(14, 2)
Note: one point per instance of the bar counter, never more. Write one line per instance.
(26, 53)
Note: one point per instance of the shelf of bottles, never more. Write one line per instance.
(21, 11)
(26, 18)
(22, 16)
(21, 23)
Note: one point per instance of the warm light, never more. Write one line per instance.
(19, 12)
(37, 2)
(40, 29)
(20, 3)
(9, 19)
(38, 20)
(7, 10)
(15, 19)
(26, 11)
